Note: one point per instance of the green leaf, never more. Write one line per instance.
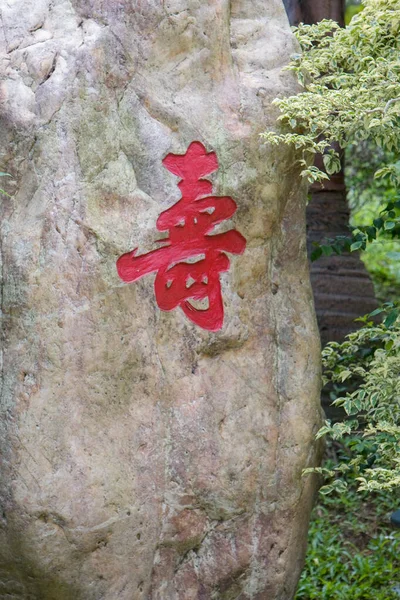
(389, 345)
(375, 312)
(345, 375)
(348, 406)
(326, 250)
(391, 318)
(316, 254)
(355, 246)
(390, 225)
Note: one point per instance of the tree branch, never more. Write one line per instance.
(383, 110)
(388, 104)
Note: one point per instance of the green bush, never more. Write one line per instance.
(351, 83)
(353, 553)
(369, 361)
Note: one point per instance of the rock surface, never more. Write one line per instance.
(141, 456)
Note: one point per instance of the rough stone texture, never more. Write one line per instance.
(142, 457)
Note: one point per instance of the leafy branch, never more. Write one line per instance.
(387, 223)
(370, 356)
(351, 89)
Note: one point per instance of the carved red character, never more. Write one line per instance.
(189, 223)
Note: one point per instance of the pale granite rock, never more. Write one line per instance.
(144, 457)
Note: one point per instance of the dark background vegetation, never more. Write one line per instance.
(353, 550)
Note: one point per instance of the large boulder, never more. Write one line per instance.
(144, 456)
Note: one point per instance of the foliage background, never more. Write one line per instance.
(351, 94)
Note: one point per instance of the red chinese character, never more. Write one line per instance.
(189, 222)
